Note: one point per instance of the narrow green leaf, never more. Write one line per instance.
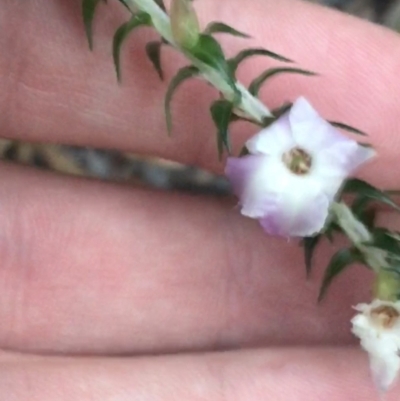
(244, 54)
(122, 33)
(125, 4)
(236, 117)
(360, 187)
(347, 128)
(221, 111)
(338, 263)
(360, 208)
(209, 51)
(220, 27)
(310, 244)
(182, 75)
(160, 4)
(153, 51)
(331, 229)
(256, 84)
(277, 112)
(88, 11)
(384, 239)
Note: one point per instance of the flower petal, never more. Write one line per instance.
(313, 133)
(380, 339)
(250, 184)
(384, 370)
(273, 140)
(297, 215)
(360, 156)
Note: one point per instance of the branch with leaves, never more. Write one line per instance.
(206, 57)
(293, 176)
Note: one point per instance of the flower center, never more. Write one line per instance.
(297, 161)
(385, 316)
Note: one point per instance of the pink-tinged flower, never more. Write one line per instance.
(378, 327)
(293, 172)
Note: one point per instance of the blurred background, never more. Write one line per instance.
(116, 166)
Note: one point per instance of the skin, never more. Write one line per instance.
(110, 292)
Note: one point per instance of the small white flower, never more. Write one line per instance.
(293, 172)
(378, 327)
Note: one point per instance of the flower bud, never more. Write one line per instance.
(184, 23)
(386, 286)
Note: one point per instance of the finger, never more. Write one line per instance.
(278, 374)
(89, 267)
(53, 89)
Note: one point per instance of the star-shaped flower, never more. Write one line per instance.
(378, 327)
(293, 172)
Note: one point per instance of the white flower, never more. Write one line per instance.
(378, 327)
(293, 172)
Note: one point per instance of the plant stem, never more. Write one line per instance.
(359, 235)
(249, 104)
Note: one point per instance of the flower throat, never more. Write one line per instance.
(298, 161)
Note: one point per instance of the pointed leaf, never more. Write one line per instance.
(360, 187)
(237, 117)
(153, 51)
(160, 4)
(221, 111)
(209, 51)
(278, 112)
(122, 33)
(360, 208)
(309, 244)
(182, 75)
(125, 4)
(88, 11)
(347, 128)
(339, 262)
(256, 84)
(220, 27)
(331, 229)
(244, 54)
(384, 239)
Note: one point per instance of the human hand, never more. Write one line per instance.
(97, 278)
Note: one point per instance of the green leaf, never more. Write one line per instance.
(277, 112)
(330, 229)
(88, 11)
(125, 4)
(309, 244)
(244, 54)
(160, 4)
(209, 51)
(347, 128)
(256, 84)
(220, 27)
(360, 208)
(122, 33)
(221, 111)
(237, 117)
(360, 187)
(182, 75)
(153, 51)
(384, 239)
(338, 263)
